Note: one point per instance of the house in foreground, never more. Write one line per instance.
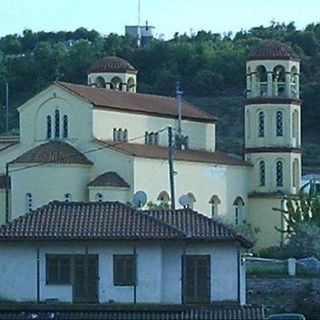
(107, 252)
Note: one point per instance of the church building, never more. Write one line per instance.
(104, 141)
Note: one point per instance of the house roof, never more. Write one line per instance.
(159, 152)
(114, 221)
(111, 64)
(136, 312)
(109, 179)
(155, 105)
(272, 50)
(53, 152)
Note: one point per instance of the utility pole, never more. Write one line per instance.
(139, 26)
(171, 169)
(7, 107)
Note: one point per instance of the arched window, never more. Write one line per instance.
(279, 124)
(131, 85)
(65, 126)
(279, 78)
(238, 205)
(100, 82)
(261, 76)
(192, 200)
(57, 124)
(279, 173)
(261, 124)
(49, 127)
(262, 173)
(67, 197)
(125, 135)
(295, 124)
(214, 205)
(28, 202)
(163, 197)
(99, 197)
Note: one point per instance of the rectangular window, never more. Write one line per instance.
(124, 273)
(196, 277)
(58, 269)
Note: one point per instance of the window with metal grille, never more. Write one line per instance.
(120, 135)
(279, 173)
(262, 173)
(261, 124)
(151, 138)
(58, 269)
(279, 124)
(124, 273)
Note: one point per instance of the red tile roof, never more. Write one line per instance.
(113, 220)
(133, 312)
(112, 64)
(272, 50)
(53, 152)
(155, 105)
(159, 152)
(109, 179)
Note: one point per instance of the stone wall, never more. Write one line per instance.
(286, 294)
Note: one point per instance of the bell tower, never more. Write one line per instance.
(272, 118)
(272, 125)
(113, 73)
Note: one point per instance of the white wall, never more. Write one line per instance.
(158, 270)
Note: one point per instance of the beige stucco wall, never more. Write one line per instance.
(203, 180)
(110, 194)
(47, 183)
(262, 215)
(33, 116)
(201, 135)
(270, 139)
(270, 160)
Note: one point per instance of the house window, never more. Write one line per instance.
(261, 124)
(49, 127)
(279, 173)
(238, 203)
(279, 124)
(57, 124)
(192, 200)
(58, 269)
(262, 173)
(163, 197)
(196, 278)
(214, 205)
(65, 126)
(28, 199)
(67, 197)
(120, 135)
(124, 273)
(151, 138)
(99, 197)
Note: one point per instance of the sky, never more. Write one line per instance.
(167, 16)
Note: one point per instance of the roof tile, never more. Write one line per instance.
(136, 102)
(109, 179)
(53, 152)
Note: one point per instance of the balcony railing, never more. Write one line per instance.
(278, 90)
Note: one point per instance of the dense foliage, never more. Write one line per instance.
(207, 64)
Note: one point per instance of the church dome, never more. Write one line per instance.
(272, 50)
(112, 64)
